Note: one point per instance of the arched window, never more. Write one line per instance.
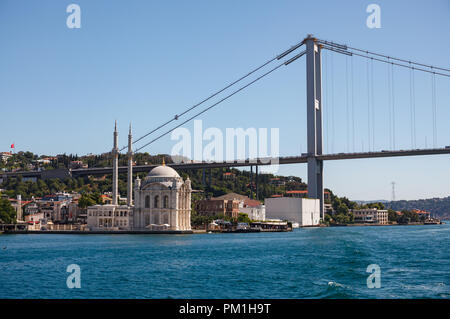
(166, 201)
(147, 201)
(156, 203)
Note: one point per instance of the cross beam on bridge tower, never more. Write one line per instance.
(314, 120)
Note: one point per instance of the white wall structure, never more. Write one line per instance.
(304, 211)
(110, 217)
(254, 212)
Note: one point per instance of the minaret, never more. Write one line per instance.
(115, 155)
(19, 216)
(130, 171)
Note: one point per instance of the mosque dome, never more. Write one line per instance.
(163, 171)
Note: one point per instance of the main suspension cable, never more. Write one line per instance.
(345, 50)
(223, 99)
(176, 117)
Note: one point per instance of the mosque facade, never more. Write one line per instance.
(162, 200)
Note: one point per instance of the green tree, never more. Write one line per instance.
(7, 212)
(392, 215)
(243, 218)
(86, 200)
(342, 209)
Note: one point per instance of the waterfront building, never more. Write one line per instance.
(216, 206)
(254, 209)
(370, 215)
(422, 213)
(231, 205)
(35, 221)
(162, 200)
(55, 207)
(55, 211)
(328, 208)
(304, 211)
(110, 217)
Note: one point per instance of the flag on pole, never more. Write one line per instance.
(12, 145)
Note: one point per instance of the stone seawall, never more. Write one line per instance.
(115, 232)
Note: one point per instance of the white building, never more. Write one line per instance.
(304, 211)
(254, 212)
(162, 200)
(371, 215)
(110, 217)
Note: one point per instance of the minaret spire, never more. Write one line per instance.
(130, 170)
(115, 156)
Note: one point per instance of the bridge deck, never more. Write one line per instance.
(248, 162)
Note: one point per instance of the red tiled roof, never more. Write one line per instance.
(251, 202)
(418, 211)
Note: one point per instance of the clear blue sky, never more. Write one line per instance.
(144, 61)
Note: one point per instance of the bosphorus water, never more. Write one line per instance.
(305, 263)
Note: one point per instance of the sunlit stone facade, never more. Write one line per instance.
(162, 201)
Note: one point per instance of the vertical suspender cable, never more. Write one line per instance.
(368, 104)
(332, 103)
(373, 105)
(433, 105)
(353, 110)
(411, 106)
(346, 103)
(327, 105)
(389, 104)
(414, 109)
(393, 106)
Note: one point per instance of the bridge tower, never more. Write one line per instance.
(314, 120)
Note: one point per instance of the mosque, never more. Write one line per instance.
(162, 200)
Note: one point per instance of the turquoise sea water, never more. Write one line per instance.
(305, 263)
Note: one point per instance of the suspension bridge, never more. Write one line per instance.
(315, 104)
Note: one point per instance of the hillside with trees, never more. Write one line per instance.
(218, 181)
(437, 206)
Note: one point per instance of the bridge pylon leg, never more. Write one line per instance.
(314, 120)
